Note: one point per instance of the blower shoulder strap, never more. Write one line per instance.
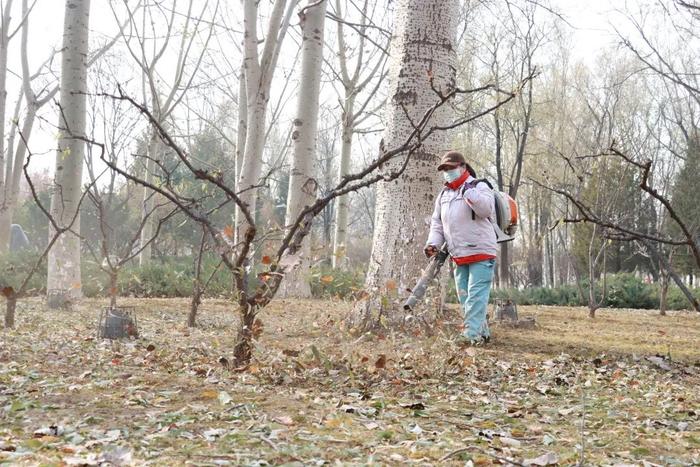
(473, 184)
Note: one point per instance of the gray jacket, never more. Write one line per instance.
(453, 222)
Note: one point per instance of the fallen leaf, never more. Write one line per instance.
(381, 362)
(284, 420)
(224, 398)
(213, 434)
(510, 441)
(549, 458)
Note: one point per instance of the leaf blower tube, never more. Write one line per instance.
(429, 274)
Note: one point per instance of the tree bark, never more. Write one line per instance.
(504, 263)
(341, 212)
(259, 70)
(4, 43)
(113, 291)
(197, 288)
(302, 184)
(663, 295)
(422, 47)
(10, 308)
(243, 350)
(64, 257)
(154, 146)
(667, 267)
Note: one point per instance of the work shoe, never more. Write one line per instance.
(464, 341)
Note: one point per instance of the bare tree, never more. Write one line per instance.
(360, 84)
(302, 182)
(34, 100)
(164, 84)
(64, 258)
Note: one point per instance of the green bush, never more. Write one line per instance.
(172, 277)
(624, 290)
(627, 291)
(327, 282)
(14, 268)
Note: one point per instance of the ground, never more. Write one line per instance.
(618, 390)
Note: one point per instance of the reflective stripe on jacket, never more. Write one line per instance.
(452, 221)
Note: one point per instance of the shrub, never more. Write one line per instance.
(327, 282)
(14, 268)
(172, 277)
(625, 290)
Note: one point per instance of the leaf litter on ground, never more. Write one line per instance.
(314, 395)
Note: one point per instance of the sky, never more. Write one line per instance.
(589, 19)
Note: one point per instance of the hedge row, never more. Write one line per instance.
(173, 278)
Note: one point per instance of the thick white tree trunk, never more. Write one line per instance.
(302, 183)
(64, 257)
(422, 46)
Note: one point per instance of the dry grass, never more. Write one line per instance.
(315, 394)
(631, 332)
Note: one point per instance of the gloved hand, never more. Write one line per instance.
(430, 251)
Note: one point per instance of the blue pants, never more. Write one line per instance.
(473, 283)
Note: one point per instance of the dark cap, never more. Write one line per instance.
(451, 160)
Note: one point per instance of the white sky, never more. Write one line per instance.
(590, 19)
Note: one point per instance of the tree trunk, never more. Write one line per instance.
(10, 307)
(504, 263)
(4, 43)
(154, 146)
(422, 46)
(113, 291)
(302, 184)
(242, 127)
(197, 289)
(341, 211)
(663, 295)
(259, 71)
(251, 166)
(9, 204)
(667, 266)
(243, 350)
(64, 257)
(14, 169)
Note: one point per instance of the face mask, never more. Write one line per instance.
(452, 175)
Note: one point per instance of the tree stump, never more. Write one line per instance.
(506, 315)
(506, 310)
